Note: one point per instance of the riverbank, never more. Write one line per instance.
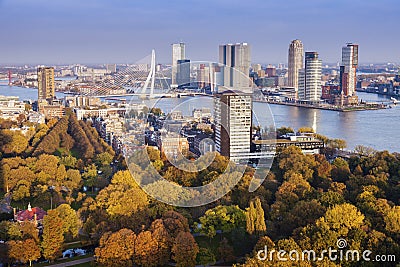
(327, 107)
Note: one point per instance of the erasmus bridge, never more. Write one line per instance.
(138, 80)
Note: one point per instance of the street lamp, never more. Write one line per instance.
(51, 189)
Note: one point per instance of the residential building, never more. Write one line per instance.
(233, 121)
(295, 62)
(46, 87)
(310, 78)
(348, 69)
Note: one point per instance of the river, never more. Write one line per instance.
(374, 128)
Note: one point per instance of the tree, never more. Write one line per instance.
(146, 250)
(205, 257)
(164, 241)
(175, 223)
(392, 220)
(104, 159)
(284, 130)
(255, 222)
(121, 200)
(53, 235)
(116, 249)
(15, 143)
(305, 130)
(70, 219)
(223, 218)
(342, 218)
(185, 250)
(24, 251)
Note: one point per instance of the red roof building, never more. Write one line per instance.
(31, 214)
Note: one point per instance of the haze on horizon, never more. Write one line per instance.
(119, 31)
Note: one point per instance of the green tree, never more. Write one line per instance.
(104, 159)
(224, 218)
(205, 257)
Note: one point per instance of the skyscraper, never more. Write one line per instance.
(236, 57)
(348, 69)
(233, 121)
(178, 53)
(295, 62)
(46, 88)
(310, 78)
(183, 73)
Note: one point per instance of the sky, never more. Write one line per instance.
(125, 31)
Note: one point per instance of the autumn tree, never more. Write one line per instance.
(146, 250)
(255, 222)
(116, 249)
(24, 251)
(70, 219)
(53, 235)
(185, 250)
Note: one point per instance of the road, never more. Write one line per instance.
(73, 263)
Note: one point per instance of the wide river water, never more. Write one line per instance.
(375, 128)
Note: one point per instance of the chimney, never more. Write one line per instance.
(35, 219)
(15, 213)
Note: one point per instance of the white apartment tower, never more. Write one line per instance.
(178, 53)
(310, 78)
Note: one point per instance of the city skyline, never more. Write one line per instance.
(120, 32)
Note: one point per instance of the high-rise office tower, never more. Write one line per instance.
(236, 57)
(183, 73)
(310, 78)
(178, 53)
(295, 62)
(233, 121)
(348, 69)
(46, 88)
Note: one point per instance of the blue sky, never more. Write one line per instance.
(124, 31)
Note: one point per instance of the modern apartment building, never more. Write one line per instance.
(310, 78)
(295, 62)
(348, 69)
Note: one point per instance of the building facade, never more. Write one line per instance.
(46, 87)
(310, 78)
(295, 63)
(236, 60)
(233, 121)
(178, 53)
(348, 69)
(183, 73)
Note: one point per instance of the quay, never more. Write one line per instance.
(325, 106)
